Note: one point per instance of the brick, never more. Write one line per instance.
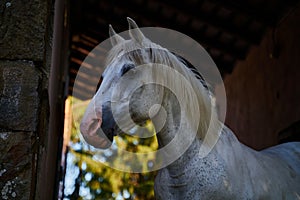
(22, 29)
(16, 165)
(19, 99)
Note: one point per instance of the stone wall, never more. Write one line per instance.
(263, 92)
(24, 68)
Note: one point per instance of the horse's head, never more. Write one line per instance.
(123, 98)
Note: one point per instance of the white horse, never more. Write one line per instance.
(230, 171)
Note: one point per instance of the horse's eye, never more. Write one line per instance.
(126, 68)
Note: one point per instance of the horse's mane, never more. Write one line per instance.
(136, 52)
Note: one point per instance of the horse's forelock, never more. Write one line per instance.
(131, 50)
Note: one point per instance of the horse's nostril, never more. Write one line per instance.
(95, 124)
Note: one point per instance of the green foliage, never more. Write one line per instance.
(95, 180)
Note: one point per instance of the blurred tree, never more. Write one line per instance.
(88, 178)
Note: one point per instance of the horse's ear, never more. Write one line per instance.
(134, 31)
(114, 37)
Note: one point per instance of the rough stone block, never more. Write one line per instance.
(22, 29)
(19, 99)
(16, 165)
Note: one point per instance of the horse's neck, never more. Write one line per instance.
(228, 159)
(227, 141)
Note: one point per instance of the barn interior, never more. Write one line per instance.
(230, 31)
(254, 44)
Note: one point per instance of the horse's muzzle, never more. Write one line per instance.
(98, 126)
